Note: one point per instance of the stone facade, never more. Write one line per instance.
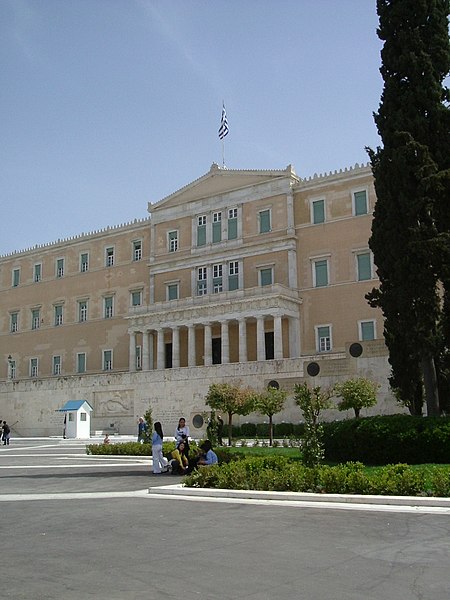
(247, 276)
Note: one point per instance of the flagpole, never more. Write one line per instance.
(223, 154)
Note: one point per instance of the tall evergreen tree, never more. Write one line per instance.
(411, 226)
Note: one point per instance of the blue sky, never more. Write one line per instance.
(109, 104)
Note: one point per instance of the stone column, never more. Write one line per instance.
(260, 341)
(132, 353)
(242, 340)
(277, 338)
(160, 351)
(151, 357)
(207, 358)
(175, 347)
(294, 337)
(225, 342)
(145, 353)
(191, 346)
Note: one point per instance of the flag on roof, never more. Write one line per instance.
(223, 129)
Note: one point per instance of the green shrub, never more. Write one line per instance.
(281, 474)
(388, 439)
(282, 430)
(247, 430)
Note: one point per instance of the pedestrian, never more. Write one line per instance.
(106, 440)
(142, 428)
(6, 433)
(219, 430)
(159, 462)
(209, 456)
(182, 434)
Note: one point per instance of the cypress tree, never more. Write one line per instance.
(410, 233)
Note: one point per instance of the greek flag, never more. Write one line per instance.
(223, 129)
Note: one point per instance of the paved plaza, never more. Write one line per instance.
(77, 527)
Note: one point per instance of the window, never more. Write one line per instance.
(60, 267)
(84, 262)
(35, 318)
(323, 338)
(233, 275)
(108, 307)
(109, 257)
(264, 221)
(360, 203)
(320, 273)
(107, 360)
(173, 241)
(14, 322)
(37, 273)
(81, 362)
(217, 227)
(201, 281)
(138, 358)
(201, 230)
(12, 369)
(136, 298)
(34, 367)
(318, 211)
(266, 276)
(172, 291)
(137, 250)
(58, 315)
(15, 277)
(82, 311)
(366, 331)
(217, 278)
(83, 416)
(364, 266)
(232, 223)
(56, 368)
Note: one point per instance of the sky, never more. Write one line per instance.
(107, 105)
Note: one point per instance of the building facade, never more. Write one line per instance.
(241, 275)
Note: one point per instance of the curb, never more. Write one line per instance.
(422, 501)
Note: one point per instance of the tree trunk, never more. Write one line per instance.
(357, 410)
(270, 431)
(230, 427)
(430, 384)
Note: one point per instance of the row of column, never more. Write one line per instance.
(147, 344)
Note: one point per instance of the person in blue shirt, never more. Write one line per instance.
(159, 461)
(209, 456)
(142, 428)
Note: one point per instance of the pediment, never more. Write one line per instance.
(220, 181)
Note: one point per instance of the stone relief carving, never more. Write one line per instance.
(117, 403)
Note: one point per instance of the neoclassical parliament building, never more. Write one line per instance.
(248, 276)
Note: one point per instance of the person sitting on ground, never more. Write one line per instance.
(209, 457)
(179, 461)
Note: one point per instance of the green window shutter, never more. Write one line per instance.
(266, 276)
(321, 269)
(217, 232)
(232, 229)
(264, 221)
(233, 282)
(172, 292)
(201, 235)
(367, 331)
(319, 211)
(81, 363)
(360, 203)
(364, 267)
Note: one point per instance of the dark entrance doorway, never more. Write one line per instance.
(216, 351)
(268, 338)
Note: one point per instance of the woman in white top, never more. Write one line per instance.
(182, 434)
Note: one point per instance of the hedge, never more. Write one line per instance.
(381, 440)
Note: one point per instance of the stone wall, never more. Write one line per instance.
(119, 398)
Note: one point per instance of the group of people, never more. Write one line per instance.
(180, 462)
(5, 432)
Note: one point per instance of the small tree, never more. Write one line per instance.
(356, 394)
(230, 399)
(311, 403)
(268, 403)
(148, 418)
